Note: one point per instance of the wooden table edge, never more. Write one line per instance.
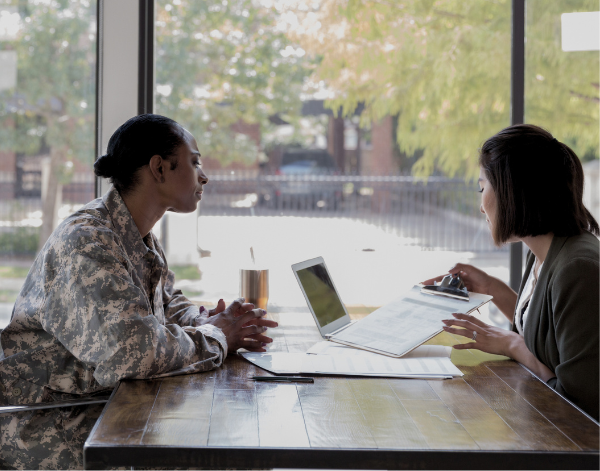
(98, 456)
(101, 457)
(553, 390)
(99, 419)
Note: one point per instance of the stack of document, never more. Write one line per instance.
(398, 327)
(387, 343)
(327, 358)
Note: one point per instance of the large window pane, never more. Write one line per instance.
(562, 85)
(318, 121)
(47, 100)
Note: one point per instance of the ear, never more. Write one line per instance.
(157, 168)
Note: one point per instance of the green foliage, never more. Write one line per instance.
(186, 272)
(8, 296)
(443, 67)
(19, 241)
(219, 63)
(53, 102)
(9, 271)
(562, 89)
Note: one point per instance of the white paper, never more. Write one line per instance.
(424, 351)
(354, 365)
(277, 362)
(406, 322)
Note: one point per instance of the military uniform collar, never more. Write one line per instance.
(125, 227)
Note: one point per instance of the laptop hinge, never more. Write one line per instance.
(339, 330)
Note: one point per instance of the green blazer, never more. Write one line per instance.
(561, 329)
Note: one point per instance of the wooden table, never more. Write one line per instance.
(496, 416)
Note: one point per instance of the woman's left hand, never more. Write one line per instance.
(484, 337)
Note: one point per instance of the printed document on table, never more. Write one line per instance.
(424, 351)
(354, 365)
(405, 323)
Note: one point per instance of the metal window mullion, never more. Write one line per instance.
(517, 108)
(146, 57)
(98, 126)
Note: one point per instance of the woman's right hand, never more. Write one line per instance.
(478, 281)
(475, 280)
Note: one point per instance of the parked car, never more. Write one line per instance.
(304, 189)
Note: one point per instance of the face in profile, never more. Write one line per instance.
(489, 207)
(184, 184)
(488, 200)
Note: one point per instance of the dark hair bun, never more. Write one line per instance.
(132, 146)
(105, 166)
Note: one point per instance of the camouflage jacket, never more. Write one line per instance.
(99, 306)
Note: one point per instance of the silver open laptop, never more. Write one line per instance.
(321, 296)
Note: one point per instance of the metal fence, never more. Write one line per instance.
(19, 227)
(21, 216)
(435, 213)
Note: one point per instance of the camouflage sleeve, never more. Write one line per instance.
(178, 309)
(96, 311)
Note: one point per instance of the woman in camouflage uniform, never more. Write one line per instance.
(99, 304)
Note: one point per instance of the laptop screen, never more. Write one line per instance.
(321, 294)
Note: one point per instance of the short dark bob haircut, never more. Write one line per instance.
(132, 146)
(538, 183)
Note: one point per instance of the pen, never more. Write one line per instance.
(288, 379)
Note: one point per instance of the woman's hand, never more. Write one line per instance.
(218, 309)
(242, 325)
(475, 280)
(484, 337)
(496, 340)
(478, 281)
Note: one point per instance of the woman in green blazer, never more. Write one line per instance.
(531, 191)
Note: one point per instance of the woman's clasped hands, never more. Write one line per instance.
(243, 325)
